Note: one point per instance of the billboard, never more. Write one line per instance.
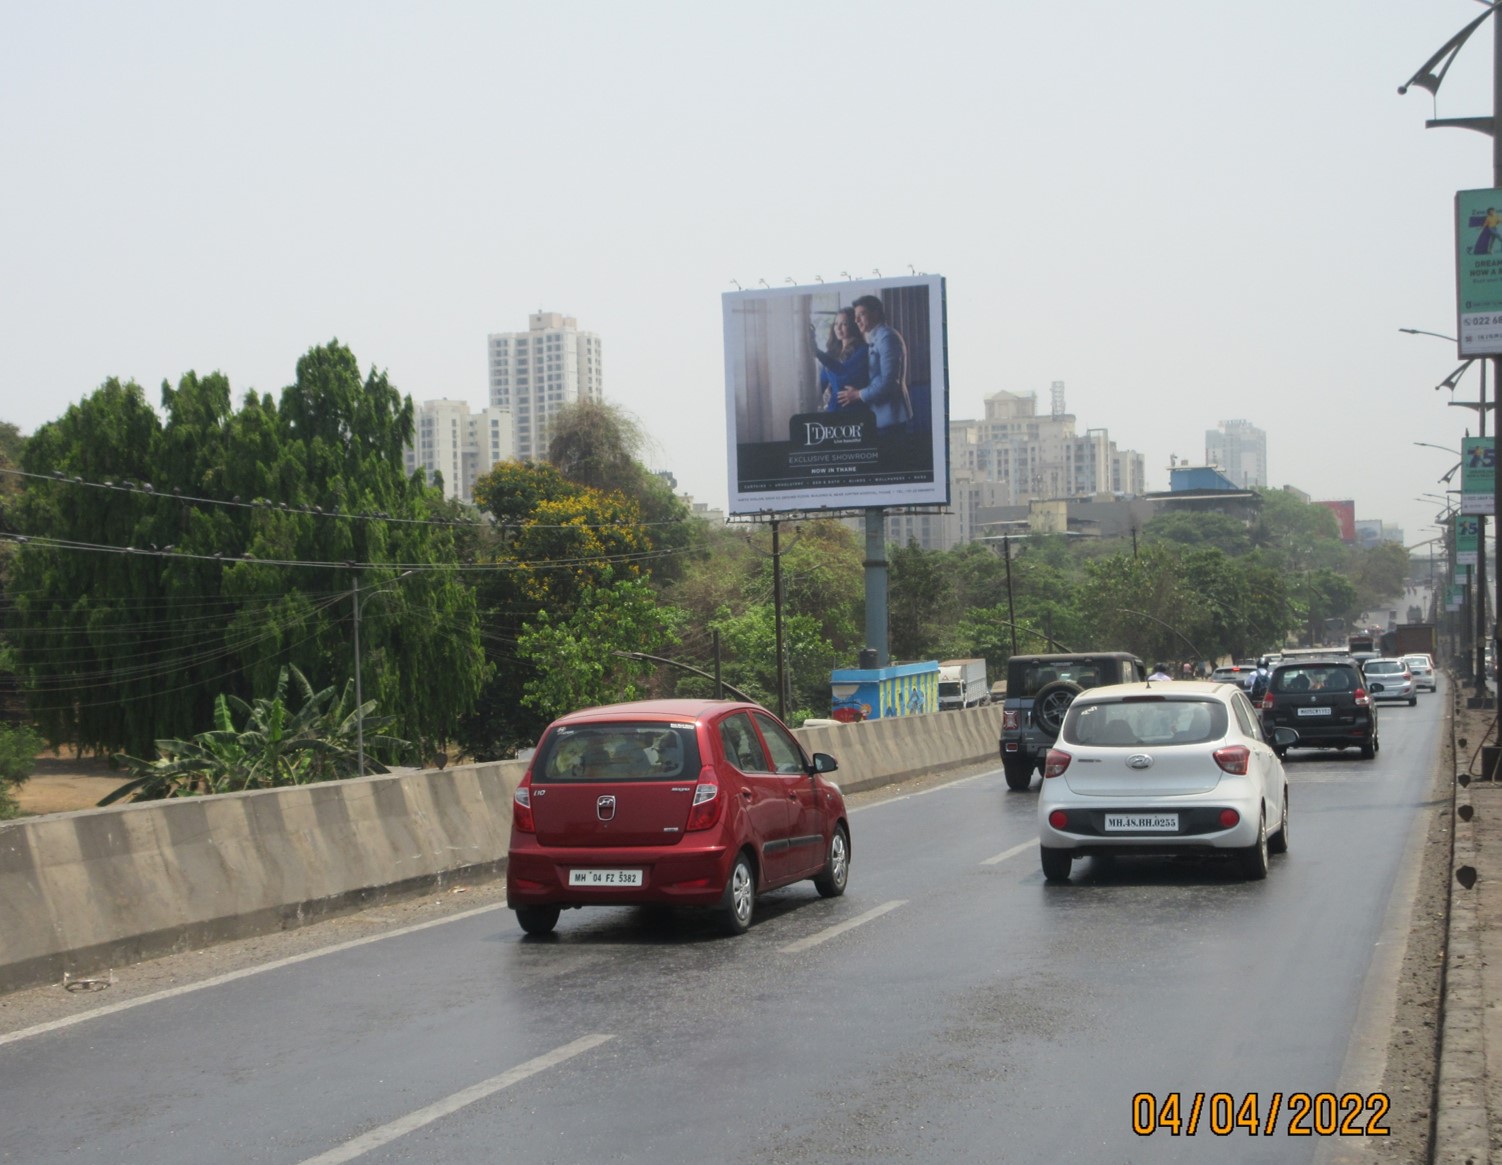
(1478, 460)
(1467, 538)
(1478, 271)
(1345, 518)
(837, 395)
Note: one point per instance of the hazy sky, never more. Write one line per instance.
(1187, 212)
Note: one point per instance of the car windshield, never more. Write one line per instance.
(1416, 660)
(1313, 678)
(1029, 677)
(1383, 667)
(623, 751)
(1133, 723)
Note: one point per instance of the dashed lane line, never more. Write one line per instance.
(451, 1104)
(830, 932)
(1011, 853)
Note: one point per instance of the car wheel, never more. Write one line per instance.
(1019, 772)
(538, 919)
(1369, 749)
(1056, 863)
(1413, 701)
(739, 897)
(1051, 702)
(1278, 842)
(830, 882)
(1253, 859)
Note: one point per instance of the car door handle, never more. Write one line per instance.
(746, 793)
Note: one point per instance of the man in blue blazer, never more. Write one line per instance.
(885, 393)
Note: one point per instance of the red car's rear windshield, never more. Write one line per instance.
(618, 751)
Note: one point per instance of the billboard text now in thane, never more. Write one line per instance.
(837, 395)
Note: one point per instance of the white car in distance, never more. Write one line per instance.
(1181, 768)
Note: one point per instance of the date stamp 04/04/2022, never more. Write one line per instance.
(1293, 1114)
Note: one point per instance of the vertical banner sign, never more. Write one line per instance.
(1467, 528)
(1452, 599)
(1462, 577)
(1478, 471)
(1478, 272)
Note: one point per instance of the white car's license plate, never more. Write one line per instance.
(604, 878)
(1314, 711)
(1138, 822)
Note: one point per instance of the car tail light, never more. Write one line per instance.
(1009, 721)
(1267, 700)
(1056, 763)
(704, 813)
(1362, 699)
(1058, 819)
(521, 806)
(1234, 758)
(1229, 818)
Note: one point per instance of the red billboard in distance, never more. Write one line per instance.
(1345, 515)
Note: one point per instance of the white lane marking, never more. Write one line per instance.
(1010, 853)
(824, 935)
(231, 976)
(955, 784)
(425, 1116)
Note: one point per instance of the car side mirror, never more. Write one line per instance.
(824, 763)
(1285, 737)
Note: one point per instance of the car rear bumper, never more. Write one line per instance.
(686, 875)
(1086, 834)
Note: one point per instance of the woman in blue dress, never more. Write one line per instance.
(844, 361)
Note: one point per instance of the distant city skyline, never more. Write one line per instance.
(214, 188)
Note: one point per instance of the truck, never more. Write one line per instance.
(1413, 639)
(962, 684)
(1365, 644)
(880, 693)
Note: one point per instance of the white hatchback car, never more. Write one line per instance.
(1389, 679)
(1421, 667)
(1147, 768)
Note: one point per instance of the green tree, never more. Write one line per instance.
(921, 600)
(229, 546)
(1225, 533)
(567, 562)
(19, 745)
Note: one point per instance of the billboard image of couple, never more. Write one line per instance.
(837, 395)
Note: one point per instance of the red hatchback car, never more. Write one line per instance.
(673, 802)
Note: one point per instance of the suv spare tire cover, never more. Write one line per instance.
(1051, 702)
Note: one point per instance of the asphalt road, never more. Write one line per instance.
(950, 1008)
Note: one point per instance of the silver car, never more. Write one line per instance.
(1144, 769)
(1389, 679)
(1421, 667)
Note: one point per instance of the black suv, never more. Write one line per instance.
(1040, 689)
(1325, 701)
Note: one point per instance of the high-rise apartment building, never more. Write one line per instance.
(458, 445)
(1016, 456)
(535, 373)
(1240, 449)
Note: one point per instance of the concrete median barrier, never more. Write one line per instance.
(81, 892)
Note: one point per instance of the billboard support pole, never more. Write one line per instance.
(876, 584)
(782, 683)
(1479, 574)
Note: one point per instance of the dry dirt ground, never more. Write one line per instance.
(60, 784)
